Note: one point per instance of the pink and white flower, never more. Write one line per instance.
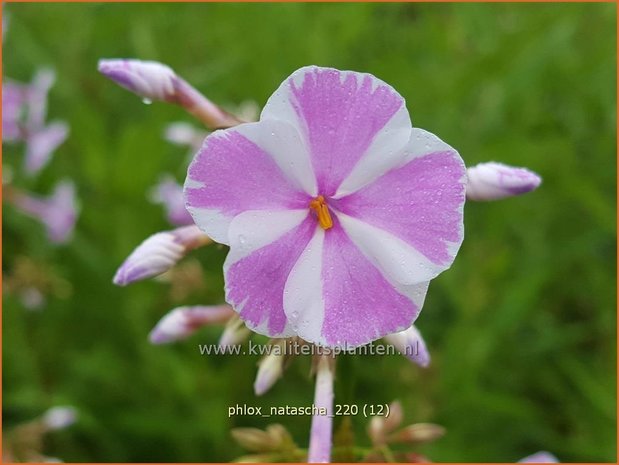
(14, 98)
(58, 212)
(24, 109)
(337, 211)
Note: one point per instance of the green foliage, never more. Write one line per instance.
(521, 329)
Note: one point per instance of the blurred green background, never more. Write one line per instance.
(521, 329)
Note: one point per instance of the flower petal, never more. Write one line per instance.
(343, 116)
(335, 296)
(250, 167)
(419, 203)
(264, 246)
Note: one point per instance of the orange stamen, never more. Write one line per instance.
(319, 205)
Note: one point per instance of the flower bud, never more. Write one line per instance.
(158, 253)
(234, 333)
(270, 370)
(181, 133)
(41, 145)
(182, 322)
(493, 181)
(419, 432)
(380, 426)
(410, 343)
(148, 79)
(59, 417)
(540, 457)
(253, 439)
(169, 193)
(154, 81)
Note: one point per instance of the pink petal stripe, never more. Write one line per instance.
(231, 174)
(360, 304)
(255, 283)
(420, 202)
(340, 114)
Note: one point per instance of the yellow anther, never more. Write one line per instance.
(319, 205)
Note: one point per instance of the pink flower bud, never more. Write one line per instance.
(182, 322)
(169, 193)
(148, 79)
(270, 370)
(158, 253)
(493, 181)
(154, 81)
(410, 343)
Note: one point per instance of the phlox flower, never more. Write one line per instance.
(337, 211)
(24, 110)
(58, 212)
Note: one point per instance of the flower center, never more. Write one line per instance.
(319, 205)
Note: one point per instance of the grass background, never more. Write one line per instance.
(521, 329)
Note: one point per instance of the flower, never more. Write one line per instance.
(337, 211)
(540, 457)
(154, 81)
(42, 144)
(493, 181)
(182, 322)
(58, 212)
(24, 109)
(14, 97)
(170, 194)
(158, 253)
(410, 343)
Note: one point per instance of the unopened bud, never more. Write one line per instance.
(419, 432)
(493, 181)
(182, 322)
(154, 81)
(253, 439)
(234, 333)
(148, 79)
(269, 371)
(158, 253)
(59, 417)
(169, 193)
(410, 343)
(379, 426)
